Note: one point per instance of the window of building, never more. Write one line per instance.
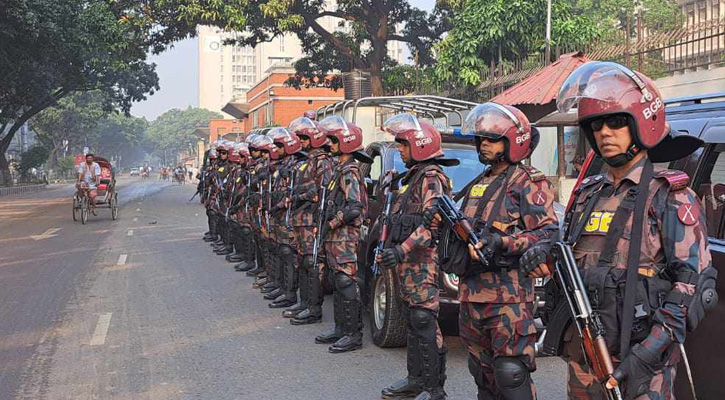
(701, 12)
(244, 68)
(234, 58)
(715, 10)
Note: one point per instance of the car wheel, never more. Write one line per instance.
(387, 325)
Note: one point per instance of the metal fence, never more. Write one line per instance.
(6, 191)
(656, 55)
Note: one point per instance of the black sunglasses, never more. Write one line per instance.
(491, 139)
(615, 121)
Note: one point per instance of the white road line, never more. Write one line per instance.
(130, 232)
(122, 259)
(138, 209)
(135, 219)
(99, 335)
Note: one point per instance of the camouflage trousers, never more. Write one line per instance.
(305, 239)
(583, 385)
(491, 330)
(341, 250)
(285, 235)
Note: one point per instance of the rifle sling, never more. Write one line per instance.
(501, 182)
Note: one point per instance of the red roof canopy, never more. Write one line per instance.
(543, 87)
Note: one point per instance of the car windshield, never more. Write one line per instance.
(461, 174)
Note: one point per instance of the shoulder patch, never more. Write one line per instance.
(677, 180)
(534, 174)
(590, 181)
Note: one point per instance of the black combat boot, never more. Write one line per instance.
(302, 303)
(313, 313)
(423, 324)
(409, 386)
(274, 294)
(287, 259)
(336, 332)
(351, 326)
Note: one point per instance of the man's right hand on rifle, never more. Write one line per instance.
(535, 261)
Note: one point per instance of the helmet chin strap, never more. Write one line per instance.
(499, 157)
(622, 159)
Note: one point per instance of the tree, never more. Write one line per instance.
(119, 135)
(487, 31)
(33, 158)
(51, 48)
(496, 31)
(359, 41)
(173, 130)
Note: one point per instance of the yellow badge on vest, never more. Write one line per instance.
(403, 189)
(303, 167)
(599, 222)
(477, 190)
(221, 169)
(276, 174)
(239, 179)
(331, 185)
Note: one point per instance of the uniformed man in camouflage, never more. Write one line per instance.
(288, 148)
(257, 183)
(511, 206)
(241, 232)
(221, 196)
(311, 175)
(639, 235)
(410, 249)
(206, 183)
(272, 288)
(243, 209)
(345, 211)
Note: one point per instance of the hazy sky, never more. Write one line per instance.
(178, 74)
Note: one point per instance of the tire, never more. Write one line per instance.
(388, 328)
(75, 208)
(85, 205)
(114, 206)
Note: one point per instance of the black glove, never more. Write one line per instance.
(492, 243)
(534, 256)
(429, 215)
(233, 209)
(392, 257)
(325, 231)
(636, 372)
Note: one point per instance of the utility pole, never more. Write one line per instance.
(548, 32)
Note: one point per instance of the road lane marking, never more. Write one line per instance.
(138, 209)
(130, 232)
(122, 259)
(49, 233)
(99, 335)
(135, 219)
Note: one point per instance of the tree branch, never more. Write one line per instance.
(336, 14)
(335, 41)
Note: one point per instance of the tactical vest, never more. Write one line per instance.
(604, 265)
(336, 199)
(407, 209)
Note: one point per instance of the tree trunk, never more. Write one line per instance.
(376, 80)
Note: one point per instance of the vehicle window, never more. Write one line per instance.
(376, 168)
(712, 194)
(469, 168)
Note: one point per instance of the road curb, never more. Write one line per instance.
(21, 189)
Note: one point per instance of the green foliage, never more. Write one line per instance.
(174, 129)
(408, 79)
(33, 158)
(66, 165)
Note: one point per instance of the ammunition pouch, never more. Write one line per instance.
(606, 287)
(453, 257)
(401, 226)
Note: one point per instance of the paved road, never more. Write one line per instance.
(140, 308)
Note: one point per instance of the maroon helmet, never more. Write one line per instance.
(265, 143)
(212, 154)
(347, 134)
(311, 114)
(423, 138)
(495, 121)
(283, 137)
(304, 126)
(242, 149)
(601, 88)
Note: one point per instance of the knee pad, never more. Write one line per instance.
(513, 378)
(345, 285)
(245, 231)
(422, 320)
(308, 263)
(286, 251)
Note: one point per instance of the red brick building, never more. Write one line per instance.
(224, 127)
(270, 102)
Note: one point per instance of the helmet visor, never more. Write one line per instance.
(597, 80)
(402, 123)
(279, 135)
(489, 120)
(302, 124)
(334, 123)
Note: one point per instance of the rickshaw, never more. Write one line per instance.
(107, 195)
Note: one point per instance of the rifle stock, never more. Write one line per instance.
(459, 224)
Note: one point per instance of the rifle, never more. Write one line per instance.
(192, 197)
(586, 320)
(269, 199)
(460, 226)
(384, 231)
(320, 217)
(290, 188)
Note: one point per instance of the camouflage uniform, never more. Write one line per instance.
(674, 240)
(284, 234)
(311, 175)
(270, 253)
(256, 214)
(346, 193)
(496, 316)
(239, 214)
(216, 199)
(418, 273)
